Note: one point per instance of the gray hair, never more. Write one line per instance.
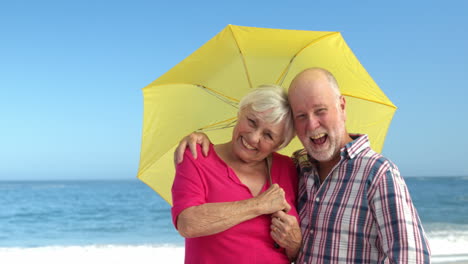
(275, 98)
(333, 83)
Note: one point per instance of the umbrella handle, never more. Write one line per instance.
(268, 164)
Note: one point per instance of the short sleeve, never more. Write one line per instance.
(188, 189)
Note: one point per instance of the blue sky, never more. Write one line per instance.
(71, 74)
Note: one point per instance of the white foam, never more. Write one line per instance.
(448, 245)
(94, 254)
(445, 247)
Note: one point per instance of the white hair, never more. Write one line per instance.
(274, 98)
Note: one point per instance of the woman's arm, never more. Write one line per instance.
(212, 218)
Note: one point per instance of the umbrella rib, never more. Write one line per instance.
(219, 125)
(242, 57)
(228, 100)
(369, 100)
(286, 70)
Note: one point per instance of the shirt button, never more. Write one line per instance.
(317, 199)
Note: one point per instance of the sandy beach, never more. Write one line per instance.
(93, 254)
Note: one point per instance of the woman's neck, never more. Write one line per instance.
(226, 153)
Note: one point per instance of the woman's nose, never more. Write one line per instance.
(254, 137)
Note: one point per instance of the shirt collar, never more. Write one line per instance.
(352, 149)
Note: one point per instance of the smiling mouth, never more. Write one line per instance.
(319, 139)
(246, 145)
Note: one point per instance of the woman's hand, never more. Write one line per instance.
(191, 141)
(272, 200)
(286, 232)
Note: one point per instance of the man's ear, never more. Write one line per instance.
(342, 103)
(343, 106)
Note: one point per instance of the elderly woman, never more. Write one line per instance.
(231, 205)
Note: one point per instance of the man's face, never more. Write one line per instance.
(319, 117)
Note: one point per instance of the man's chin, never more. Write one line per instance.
(322, 156)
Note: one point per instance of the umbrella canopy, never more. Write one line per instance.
(201, 92)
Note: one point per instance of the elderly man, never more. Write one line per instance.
(354, 206)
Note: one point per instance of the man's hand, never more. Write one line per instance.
(191, 141)
(286, 232)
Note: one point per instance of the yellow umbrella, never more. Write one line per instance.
(201, 92)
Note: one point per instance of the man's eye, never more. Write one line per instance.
(301, 116)
(321, 111)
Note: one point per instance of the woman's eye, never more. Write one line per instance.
(251, 122)
(268, 136)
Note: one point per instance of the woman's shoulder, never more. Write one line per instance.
(280, 158)
(284, 163)
(201, 158)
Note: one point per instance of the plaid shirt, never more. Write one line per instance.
(361, 213)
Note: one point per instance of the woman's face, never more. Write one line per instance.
(253, 138)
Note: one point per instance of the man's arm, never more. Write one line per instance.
(191, 141)
(400, 229)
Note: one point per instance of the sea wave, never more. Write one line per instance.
(448, 246)
(442, 229)
(462, 258)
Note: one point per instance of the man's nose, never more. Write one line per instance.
(312, 123)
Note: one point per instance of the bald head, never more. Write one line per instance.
(315, 77)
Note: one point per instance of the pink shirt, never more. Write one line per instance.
(209, 180)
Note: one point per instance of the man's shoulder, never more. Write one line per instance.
(375, 165)
(299, 153)
(376, 158)
(361, 149)
(301, 159)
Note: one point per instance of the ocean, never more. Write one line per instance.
(127, 222)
